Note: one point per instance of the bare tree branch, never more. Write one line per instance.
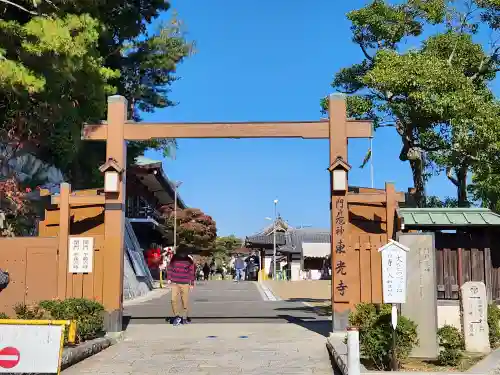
(365, 52)
(19, 7)
(449, 174)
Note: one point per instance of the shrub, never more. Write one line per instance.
(87, 313)
(375, 334)
(452, 345)
(494, 324)
(3, 316)
(31, 312)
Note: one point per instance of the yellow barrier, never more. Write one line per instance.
(64, 323)
(262, 276)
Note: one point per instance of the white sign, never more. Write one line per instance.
(30, 348)
(394, 272)
(81, 254)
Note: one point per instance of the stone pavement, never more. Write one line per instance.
(222, 349)
(235, 330)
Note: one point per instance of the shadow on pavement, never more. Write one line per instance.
(318, 300)
(322, 327)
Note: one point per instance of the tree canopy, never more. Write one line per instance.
(194, 229)
(60, 60)
(224, 247)
(436, 94)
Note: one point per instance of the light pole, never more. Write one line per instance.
(176, 186)
(274, 240)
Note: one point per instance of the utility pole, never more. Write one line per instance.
(274, 239)
(176, 186)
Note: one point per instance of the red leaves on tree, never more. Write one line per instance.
(194, 228)
(12, 197)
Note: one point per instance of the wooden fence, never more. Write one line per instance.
(34, 267)
(365, 276)
(462, 257)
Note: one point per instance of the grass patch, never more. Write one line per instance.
(421, 365)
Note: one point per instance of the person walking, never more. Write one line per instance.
(213, 269)
(181, 277)
(206, 271)
(239, 266)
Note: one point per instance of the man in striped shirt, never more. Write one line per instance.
(181, 276)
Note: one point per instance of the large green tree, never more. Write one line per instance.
(435, 94)
(58, 62)
(224, 247)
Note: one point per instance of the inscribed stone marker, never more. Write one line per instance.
(421, 306)
(475, 317)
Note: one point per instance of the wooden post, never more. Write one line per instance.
(343, 275)
(114, 217)
(390, 207)
(64, 222)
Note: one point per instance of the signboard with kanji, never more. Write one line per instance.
(81, 254)
(394, 272)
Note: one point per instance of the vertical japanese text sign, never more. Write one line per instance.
(340, 266)
(394, 272)
(81, 254)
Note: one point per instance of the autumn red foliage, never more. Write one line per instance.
(13, 205)
(12, 197)
(195, 229)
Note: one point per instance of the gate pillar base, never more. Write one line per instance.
(113, 321)
(340, 320)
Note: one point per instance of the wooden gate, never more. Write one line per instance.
(462, 257)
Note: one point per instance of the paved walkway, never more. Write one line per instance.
(225, 302)
(234, 331)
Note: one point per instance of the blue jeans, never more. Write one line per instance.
(239, 274)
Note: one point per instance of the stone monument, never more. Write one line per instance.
(475, 317)
(421, 304)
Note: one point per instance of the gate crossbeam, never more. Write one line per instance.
(291, 129)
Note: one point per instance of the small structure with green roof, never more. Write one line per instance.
(466, 246)
(437, 218)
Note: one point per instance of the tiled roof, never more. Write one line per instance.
(291, 241)
(448, 217)
(295, 238)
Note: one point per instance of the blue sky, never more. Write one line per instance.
(268, 60)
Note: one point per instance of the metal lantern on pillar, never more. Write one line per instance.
(112, 172)
(339, 170)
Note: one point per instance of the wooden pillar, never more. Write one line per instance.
(64, 222)
(390, 207)
(114, 217)
(345, 276)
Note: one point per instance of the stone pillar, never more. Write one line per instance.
(475, 317)
(421, 304)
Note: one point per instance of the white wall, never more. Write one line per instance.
(450, 315)
(295, 274)
(267, 264)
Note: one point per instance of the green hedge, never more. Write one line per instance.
(452, 345)
(494, 325)
(88, 315)
(375, 334)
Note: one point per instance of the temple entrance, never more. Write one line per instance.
(349, 253)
